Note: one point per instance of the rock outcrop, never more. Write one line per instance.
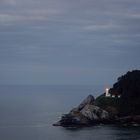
(85, 114)
(94, 113)
(130, 120)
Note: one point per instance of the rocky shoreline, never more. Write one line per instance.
(89, 114)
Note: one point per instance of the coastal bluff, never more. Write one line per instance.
(121, 107)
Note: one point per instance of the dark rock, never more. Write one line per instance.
(76, 119)
(84, 115)
(113, 112)
(57, 123)
(88, 100)
(94, 113)
(130, 119)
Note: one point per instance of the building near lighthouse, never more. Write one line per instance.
(107, 94)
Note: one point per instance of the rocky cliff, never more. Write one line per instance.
(124, 110)
(86, 114)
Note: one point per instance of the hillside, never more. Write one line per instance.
(128, 86)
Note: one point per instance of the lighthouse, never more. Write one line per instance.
(107, 94)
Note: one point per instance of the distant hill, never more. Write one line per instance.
(128, 86)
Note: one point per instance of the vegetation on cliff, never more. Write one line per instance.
(109, 104)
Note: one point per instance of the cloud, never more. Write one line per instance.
(8, 2)
(77, 37)
(11, 19)
(13, 12)
(97, 27)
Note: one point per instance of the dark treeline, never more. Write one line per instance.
(128, 86)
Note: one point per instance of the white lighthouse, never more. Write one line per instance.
(107, 94)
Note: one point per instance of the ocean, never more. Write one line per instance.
(28, 112)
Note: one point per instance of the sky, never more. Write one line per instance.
(68, 42)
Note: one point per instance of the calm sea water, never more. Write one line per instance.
(28, 112)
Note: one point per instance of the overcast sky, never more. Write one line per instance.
(68, 41)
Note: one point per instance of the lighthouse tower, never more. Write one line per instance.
(107, 94)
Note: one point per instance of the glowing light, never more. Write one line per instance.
(107, 92)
